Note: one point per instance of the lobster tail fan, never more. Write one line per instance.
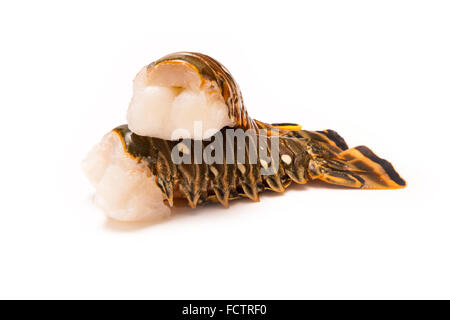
(358, 167)
(376, 172)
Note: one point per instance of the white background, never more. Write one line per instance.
(378, 72)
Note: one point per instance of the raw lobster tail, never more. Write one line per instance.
(218, 77)
(215, 78)
(177, 145)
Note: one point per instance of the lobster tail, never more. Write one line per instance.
(333, 162)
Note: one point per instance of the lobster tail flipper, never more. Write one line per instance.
(357, 167)
(376, 172)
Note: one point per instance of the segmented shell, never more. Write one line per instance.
(221, 181)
